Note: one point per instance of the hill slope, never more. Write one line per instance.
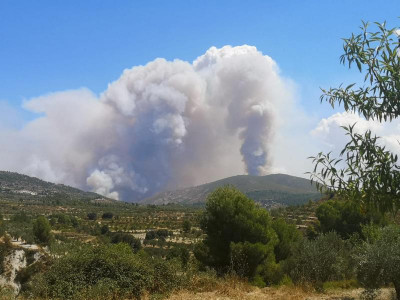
(15, 186)
(270, 190)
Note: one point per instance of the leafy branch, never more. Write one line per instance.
(369, 173)
(378, 53)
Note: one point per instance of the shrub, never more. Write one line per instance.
(25, 274)
(345, 217)
(104, 229)
(107, 215)
(288, 237)
(92, 216)
(21, 217)
(379, 260)
(326, 258)
(126, 238)
(42, 230)
(248, 257)
(180, 253)
(341, 284)
(186, 226)
(110, 269)
(162, 233)
(63, 219)
(5, 248)
(150, 235)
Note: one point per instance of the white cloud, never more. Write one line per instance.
(333, 138)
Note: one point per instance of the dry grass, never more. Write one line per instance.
(235, 289)
(204, 288)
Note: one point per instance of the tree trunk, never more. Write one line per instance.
(397, 288)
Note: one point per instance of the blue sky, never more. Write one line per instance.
(244, 125)
(241, 124)
(58, 45)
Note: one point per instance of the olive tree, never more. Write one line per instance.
(379, 260)
(366, 171)
(328, 257)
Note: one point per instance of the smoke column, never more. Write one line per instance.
(165, 125)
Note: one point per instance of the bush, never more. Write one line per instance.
(25, 274)
(379, 260)
(21, 217)
(92, 216)
(160, 234)
(5, 248)
(288, 237)
(104, 229)
(186, 226)
(42, 230)
(248, 257)
(150, 235)
(111, 270)
(341, 284)
(326, 258)
(126, 238)
(180, 253)
(107, 215)
(345, 217)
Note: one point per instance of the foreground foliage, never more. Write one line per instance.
(327, 258)
(111, 269)
(242, 237)
(371, 173)
(379, 260)
(346, 218)
(260, 250)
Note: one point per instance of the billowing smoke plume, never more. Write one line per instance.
(159, 126)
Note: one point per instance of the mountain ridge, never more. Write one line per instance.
(269, 189)
(16, 186)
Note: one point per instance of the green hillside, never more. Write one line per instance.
(18, 187)
(270, 190)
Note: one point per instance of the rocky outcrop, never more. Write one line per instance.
(13, 263)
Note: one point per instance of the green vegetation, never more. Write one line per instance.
(237, 230)
(233, 236)
(107, 215)
(120, 237)
(350, 238)
(114, 270)
(326, 258)
(370, 175)
(92, 216)
(366, 174)
(186, 226)
(42, 230)
(379, 260)
(26, 189)
(345, 217)
(288, 237)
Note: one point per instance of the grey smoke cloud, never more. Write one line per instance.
(164, 125)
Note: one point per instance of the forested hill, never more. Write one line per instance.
(19, 187)
(270, 190)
